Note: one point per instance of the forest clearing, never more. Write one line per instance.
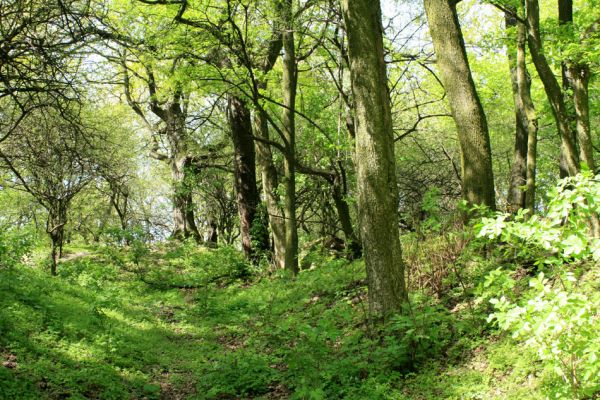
(299, 199)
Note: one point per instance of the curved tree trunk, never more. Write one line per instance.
(375, 161)
(476, 156)
(569, 159)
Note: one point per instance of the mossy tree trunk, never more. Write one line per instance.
(289, 85)
(522, 180)
(377, 191)
(476, 157)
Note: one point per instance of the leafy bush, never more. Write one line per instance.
(562, 235)
(555, 318)
(562, 327)
(14, 245)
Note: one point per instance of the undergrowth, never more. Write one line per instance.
(184, 322)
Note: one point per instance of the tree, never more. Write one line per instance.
(38, 41)
(476, 156)
(524, 164)
(173, 133)
(569, 160)
(376, 178)
(576, 74)
(53, 160)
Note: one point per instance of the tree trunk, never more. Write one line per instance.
(523, 173)
(269, 187)
(375, 161)
(55, 227)
(476, 159)
(518, 176)
(352, 244)
(289, 83)
(576, 77)
(248, 200)
(184, 223)
(580, 74)
(569, 160)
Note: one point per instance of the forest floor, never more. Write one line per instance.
(165, 325)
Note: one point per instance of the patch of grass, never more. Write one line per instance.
(99, 331)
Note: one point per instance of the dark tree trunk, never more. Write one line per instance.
(289, 85)
(375, 162)
(248, 200)
(55, 227)
(352, 243)
(476, 156)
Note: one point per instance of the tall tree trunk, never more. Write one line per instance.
(377, 189)
(289, 85)
(476, 159)
(569, 160)
(565, 19)
(576, 77)
(518, 175)
(581, 78)
(269, 187)
(244, 168)
(524, 167)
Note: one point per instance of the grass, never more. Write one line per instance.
(98, 331)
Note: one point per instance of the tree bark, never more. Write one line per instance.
(518, 175)
(240, 123)
(352, 244)
(269, 186)
(55, 227)
(524, 167)
(476, 159)
(576, 77)
(289, 85)
(377, 190)
(569, 161)
(184, 222)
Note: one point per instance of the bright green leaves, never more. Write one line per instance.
(562, 234)
(561, 326)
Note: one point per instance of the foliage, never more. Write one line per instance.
(556, 317)
(561, 325)
(14, 245)
(562, 234)
(99, 331)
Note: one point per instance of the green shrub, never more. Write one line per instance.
(556, 317)
(562, 327)
(562, 234)
(14, 245)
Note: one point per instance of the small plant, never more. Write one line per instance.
(562, 327)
